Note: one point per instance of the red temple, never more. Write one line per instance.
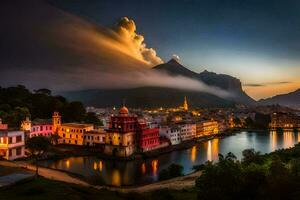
(148, 137)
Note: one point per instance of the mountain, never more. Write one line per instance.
(222, 81)
(291, 99)
(147, 97)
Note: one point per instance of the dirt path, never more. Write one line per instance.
(175, 183)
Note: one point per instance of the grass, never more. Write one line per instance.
(45, 189)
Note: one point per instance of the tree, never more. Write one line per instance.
(251, 156)
(175, 170)
(93, 119)
(43, 91)
(37, 146)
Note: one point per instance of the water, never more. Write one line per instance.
(117, 173)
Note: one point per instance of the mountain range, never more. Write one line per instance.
(291, 99)
(153, 97)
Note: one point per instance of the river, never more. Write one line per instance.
(117, 173)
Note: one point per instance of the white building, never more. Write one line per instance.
(172, 133)
(187, 131)
(12, 144)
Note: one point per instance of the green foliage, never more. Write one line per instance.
(251, 156)
(255, 177)
(37, 145)
(174, 170)
(93, 119)
(18, 102)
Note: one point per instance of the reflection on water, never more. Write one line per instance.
(288, 139)
(145, 171)
(143, 168)
(100, 165)
(209, 150)
(193, 153)
(212, 149)
(116, 178)
(273, 140)
(68, 164)
(154, 164)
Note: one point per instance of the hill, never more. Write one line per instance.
(291, 99)
(148, 97)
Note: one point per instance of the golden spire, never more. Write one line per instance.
(185, 104)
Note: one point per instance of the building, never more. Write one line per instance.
(148, 137)
(41, 128)
(73, 133)
(185, 104)
(171, 133)
(284, 121)
(12, 143)
(206, 128)
(121, 135)
(26, 125)
(77, 133)
(187, 131)
(94, 137)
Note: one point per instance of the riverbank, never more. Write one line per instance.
(63, 151)
(178, 183)
(45, 189)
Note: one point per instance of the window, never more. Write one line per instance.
(9, 140)
(41, 128)
(18, 151)
(10, 152)
(19, 138)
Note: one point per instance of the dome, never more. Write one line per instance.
(123, 110)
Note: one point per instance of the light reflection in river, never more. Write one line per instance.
(193, 153)
(118, 173)
(116, 178)
(288, 139)
(143, 168)
(273, 140)
(154, 165)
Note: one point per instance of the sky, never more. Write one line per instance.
(257, 41)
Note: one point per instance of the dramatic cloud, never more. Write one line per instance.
(47, 47)
(127, 30)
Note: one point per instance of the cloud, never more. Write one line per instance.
(126, 29)
(266, 84)
(54, 49)
(176, 57)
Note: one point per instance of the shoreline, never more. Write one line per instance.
(177, 183)
(65, 151)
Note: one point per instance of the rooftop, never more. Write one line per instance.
(77, 125)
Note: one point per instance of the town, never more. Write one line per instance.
(124, 133)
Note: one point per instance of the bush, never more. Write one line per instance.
(174, 170)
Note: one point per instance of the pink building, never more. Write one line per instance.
(41, 128)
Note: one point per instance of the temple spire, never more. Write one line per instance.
(185, 104)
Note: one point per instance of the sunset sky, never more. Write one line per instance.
(256, 41)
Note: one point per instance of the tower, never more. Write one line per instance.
(26, 124)
(56, 120)
(185, 104)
